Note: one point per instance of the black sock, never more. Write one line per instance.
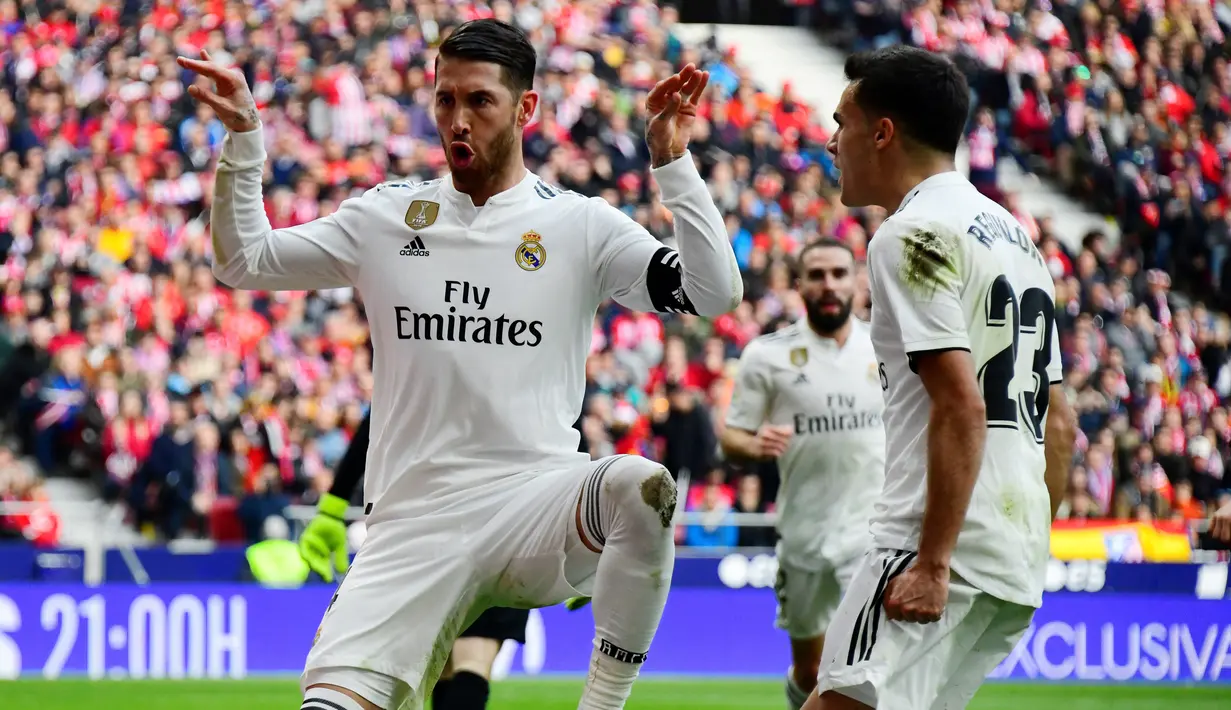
(441, 694)
(467, 691)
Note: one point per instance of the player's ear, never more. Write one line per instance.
(882, 132)
(526, 107)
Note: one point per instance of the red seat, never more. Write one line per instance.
(224, 524)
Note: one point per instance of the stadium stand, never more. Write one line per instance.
(194, 411)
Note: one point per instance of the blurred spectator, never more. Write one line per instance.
(28, 515)
(688, 432)
(714, 505)
(748, 499)
(163, 489)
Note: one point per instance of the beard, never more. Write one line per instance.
(825, 322)
(488, 162)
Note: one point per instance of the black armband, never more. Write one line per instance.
(664, 279)
(350, 469)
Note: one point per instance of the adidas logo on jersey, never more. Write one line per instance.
(415, 248)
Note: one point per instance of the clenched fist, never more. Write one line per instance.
(772, 440)
(918, 595)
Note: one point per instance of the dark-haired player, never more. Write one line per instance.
(481, 289)
(465, 682)
(979, 435)
(809, 396)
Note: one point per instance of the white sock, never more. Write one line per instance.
(328, 699)
(795, 696)
(631, 520)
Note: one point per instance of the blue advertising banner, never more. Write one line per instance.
(21, 563)
(232, 631)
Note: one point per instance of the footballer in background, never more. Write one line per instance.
(979, 434)
(481, 289)
(809, 397)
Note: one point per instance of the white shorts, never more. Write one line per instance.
(417, 583)
(807, 598)
(904, 666)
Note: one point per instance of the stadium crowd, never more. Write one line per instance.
(204, 411)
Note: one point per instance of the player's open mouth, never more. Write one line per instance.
(462, 154)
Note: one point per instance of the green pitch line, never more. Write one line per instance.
(562, 694)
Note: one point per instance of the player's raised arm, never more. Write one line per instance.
(248, 252)
(918, 275)
(636, 269)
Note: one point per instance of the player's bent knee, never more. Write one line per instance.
(642, 490)
(332, 697)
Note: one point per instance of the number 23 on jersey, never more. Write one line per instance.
(1019, 331)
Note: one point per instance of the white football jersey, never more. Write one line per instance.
(833, 468)
(480, 317)
(951, 269)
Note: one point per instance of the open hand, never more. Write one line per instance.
(673, 107)
(918, 595)
(231, 98)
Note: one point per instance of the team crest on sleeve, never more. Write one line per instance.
(422, 213)
(799, 357)
(530, 254)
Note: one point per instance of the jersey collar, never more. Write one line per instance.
(511, 195)
(945, 179)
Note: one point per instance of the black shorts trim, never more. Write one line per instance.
(501, 624)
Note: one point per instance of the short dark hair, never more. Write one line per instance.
(823, 243)
(923, 93)
(498, 43)
(797, 268)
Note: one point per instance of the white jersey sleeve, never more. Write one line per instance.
(641, 273)
(250, 254)
(1055, 367)
(751, 397)
(920, 281)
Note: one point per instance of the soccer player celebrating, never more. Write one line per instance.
(465, 681)
(979, 434)
(481, 290)
(809, 396)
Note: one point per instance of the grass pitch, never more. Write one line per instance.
(562, 694)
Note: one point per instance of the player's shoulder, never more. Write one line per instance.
(555, 195)
(556, 205)
(861, 332)
(406, 188)
(785, 337)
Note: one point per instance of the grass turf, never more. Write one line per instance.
(562, 694)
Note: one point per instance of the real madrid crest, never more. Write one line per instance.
(530, 254)
(799, 357)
